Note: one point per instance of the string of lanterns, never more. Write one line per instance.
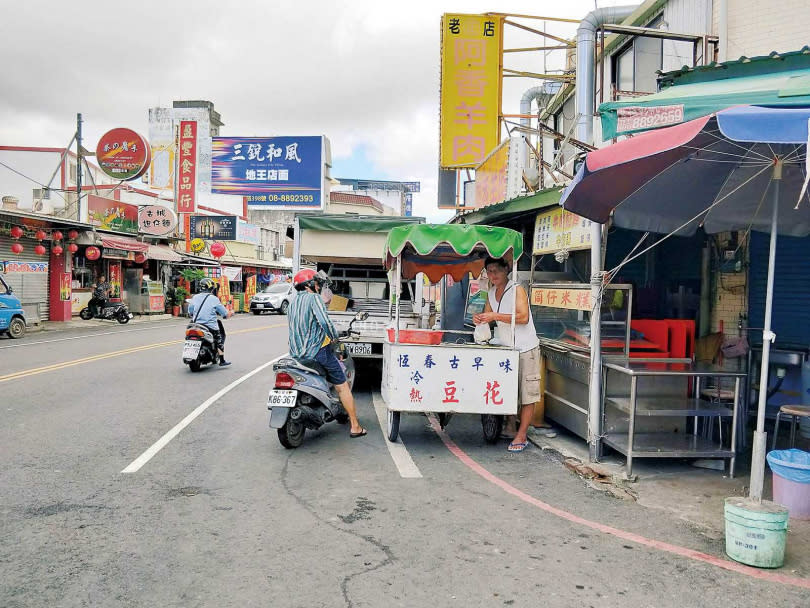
(56, 238)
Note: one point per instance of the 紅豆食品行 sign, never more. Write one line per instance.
(279, 172)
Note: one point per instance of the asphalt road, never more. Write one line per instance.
(222, 515)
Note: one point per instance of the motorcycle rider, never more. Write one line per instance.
(101, 292)
(312, 334)
(207, 306)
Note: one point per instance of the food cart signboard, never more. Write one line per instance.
(470, 88)
(571, 298)
(560, 229)
(451, 379)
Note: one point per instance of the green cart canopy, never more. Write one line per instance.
(449, 249)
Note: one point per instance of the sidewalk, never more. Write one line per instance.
(692, 494)
(77, 323)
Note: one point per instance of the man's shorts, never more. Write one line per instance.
(334, 371)
(529, 370)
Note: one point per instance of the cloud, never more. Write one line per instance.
(363, 72)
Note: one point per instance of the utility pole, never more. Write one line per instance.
(78, 166)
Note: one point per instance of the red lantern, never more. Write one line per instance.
(17, 248)
(217, 250)
(57, 250)
(57, 235)
(73, 248)
(39, 250)
(40, 235)
(16, 232)
(72, 234)
(140, 258)
(92, 253)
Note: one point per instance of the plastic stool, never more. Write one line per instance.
(795, 412)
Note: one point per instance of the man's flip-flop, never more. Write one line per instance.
(362, 433)
(517, 447)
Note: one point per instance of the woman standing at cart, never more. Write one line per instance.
(503, 296)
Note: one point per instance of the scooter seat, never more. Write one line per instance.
(313, 366)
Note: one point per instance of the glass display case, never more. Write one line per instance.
(562, 314)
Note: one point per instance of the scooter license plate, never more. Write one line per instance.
(191, 349)
(281, 398)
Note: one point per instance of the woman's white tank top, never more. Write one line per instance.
(525, 335)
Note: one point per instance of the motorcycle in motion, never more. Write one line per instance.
(302, 398)
(200, 347)
(116, 311)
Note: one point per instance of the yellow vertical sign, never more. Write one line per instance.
(470, 88)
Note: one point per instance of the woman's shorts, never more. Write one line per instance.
(529, 368)
(334, 371)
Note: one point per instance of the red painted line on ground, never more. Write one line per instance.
(623, 534)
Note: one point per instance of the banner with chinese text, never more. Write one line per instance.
(560, 229)
(470, 88)
(277, 172)
(187, 168)
(450, 379)
(571, 298)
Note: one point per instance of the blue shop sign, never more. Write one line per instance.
(269, 171)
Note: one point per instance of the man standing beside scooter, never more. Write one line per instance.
(311, 335)
(204, 308)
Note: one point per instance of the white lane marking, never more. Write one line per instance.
(141, 460)
(399, 453)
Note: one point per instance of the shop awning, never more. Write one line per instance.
(516, 206)
(235, 260)
(122, 242)
(163, 253)
(685, 101)
(189, 259)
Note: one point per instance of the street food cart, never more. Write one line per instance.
(447, 372)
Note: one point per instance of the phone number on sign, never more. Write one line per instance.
(281, 198)
(631, 119)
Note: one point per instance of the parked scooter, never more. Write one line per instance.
(200, 348)
(117, 311)
(303, 399)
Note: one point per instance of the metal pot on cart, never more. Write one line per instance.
(448, 372)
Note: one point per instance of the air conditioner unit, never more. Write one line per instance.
(42, 206)
(41, 193)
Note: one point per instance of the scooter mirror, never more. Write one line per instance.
(361, 316)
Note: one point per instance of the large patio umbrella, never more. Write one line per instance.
(739, 169)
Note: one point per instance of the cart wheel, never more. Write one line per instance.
(444, 418)
(393, 425)
(492, 426)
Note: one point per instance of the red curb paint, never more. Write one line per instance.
(772, 577)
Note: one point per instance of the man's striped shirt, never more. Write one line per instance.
(309, 325)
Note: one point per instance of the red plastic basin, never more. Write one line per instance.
(416, 336)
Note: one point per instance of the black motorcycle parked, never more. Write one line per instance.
(112, 311)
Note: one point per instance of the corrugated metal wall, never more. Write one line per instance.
(30, 287)
(685, 17)
(791, 302)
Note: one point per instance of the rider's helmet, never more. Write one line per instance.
(304, 278)
(207, 284)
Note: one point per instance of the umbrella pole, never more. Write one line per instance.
(595, 380)
(760, 436)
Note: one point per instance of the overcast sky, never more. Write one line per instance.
(365, 73)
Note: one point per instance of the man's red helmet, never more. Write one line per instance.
(302, 278)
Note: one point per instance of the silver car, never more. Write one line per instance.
(275, 298)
